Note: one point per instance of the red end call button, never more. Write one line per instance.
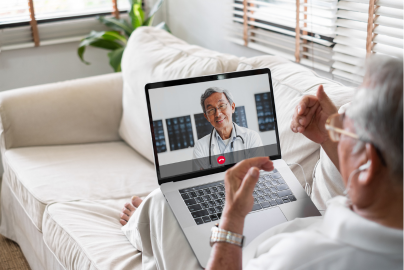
(221, 160)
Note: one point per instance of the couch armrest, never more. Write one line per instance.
(72, 112)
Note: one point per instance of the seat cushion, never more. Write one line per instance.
(87, 235)
(43, 175)
(290, 82)
(154, 55)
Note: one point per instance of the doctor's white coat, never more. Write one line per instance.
(201, 149)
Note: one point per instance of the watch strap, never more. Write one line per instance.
(220, 235)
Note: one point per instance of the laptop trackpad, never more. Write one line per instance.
(258, 222)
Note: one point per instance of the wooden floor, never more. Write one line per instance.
(11, 257)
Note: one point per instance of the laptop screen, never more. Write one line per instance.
(205, 125)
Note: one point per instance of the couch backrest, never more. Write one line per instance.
(79, 111)
(154, 55)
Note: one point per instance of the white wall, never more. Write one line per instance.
(46, 64)
(184, 100)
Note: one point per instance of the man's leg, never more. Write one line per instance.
(154, 231)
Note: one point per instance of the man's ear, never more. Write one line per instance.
(206, 117)
(233, 107)
(369, 174)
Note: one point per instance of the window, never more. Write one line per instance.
(28, 23)
(330, 35)
(359, 34)
(17, 11)
(275, 26)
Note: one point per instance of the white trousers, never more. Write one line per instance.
(154, 230)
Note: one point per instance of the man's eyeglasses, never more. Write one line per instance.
(222, 107)
(334, 125)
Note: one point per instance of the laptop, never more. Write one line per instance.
(190, 166)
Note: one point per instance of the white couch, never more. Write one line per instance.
(74, 152)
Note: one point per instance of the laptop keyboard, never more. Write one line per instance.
(206, 202)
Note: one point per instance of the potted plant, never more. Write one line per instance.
(116, 39)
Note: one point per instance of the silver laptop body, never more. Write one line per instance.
(195, 195)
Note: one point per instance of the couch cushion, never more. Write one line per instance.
(154, 55)
(94, 240)
(42, 175)
(290, 82)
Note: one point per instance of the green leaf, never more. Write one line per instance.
(133, 2)
(96, 39)
(115, 58)
(163, 26)
(80, 52)
(112, 35)
(136, 15)
(117, 24)
(149, 21)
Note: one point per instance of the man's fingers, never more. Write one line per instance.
(249, 182)
(306, 102)
(305, 120)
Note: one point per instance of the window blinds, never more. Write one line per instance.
(55, 32)
(300, 30)
(330, 35)
(365, 27)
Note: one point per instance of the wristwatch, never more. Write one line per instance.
(220, 235)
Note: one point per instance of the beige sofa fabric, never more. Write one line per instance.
(78, 111)
(94, 240)
(290, 82)
(17, 226)
(42, 175)
(154, 55)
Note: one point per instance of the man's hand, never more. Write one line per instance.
(240, 183)
(311, 114)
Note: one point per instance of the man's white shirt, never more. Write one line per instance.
(340, 240)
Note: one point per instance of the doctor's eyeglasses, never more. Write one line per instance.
(212, 111)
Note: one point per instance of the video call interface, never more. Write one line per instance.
(233, 131)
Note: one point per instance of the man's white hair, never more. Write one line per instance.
(377, 110)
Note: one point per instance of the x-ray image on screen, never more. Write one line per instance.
(239, 117)
(159, 136)
(264, 111)
(203, 127)
(180, 132)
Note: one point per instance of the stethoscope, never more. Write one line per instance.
(231, 145)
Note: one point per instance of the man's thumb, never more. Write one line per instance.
(324, 100)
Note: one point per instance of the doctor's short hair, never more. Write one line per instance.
(211, 90)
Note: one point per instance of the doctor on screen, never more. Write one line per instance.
(226, 136)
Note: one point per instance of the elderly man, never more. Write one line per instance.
(363, 230)
(226, 136)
